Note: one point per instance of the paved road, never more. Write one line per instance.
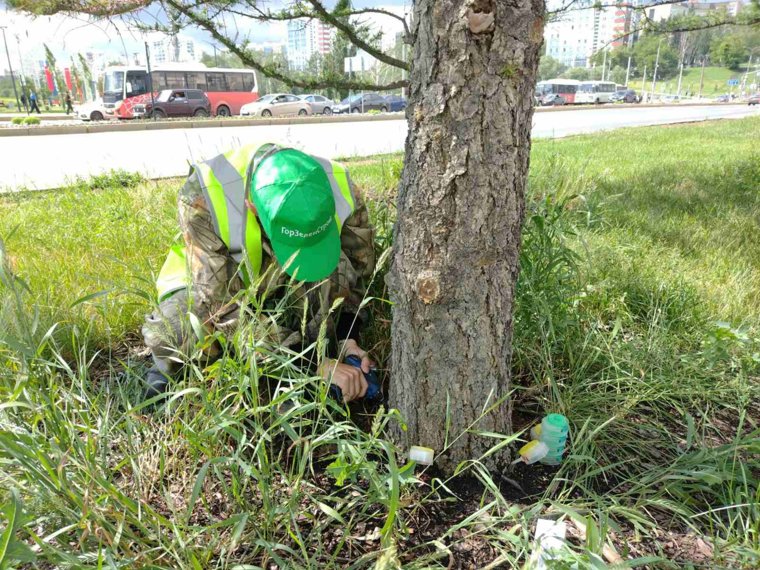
(48, 161)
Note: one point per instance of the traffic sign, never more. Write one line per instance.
(733, 82)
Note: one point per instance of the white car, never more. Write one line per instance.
(91, 111)
(276, 105)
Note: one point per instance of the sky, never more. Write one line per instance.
(66, 36)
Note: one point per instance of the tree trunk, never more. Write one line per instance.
(460, 212)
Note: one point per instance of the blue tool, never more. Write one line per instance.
(374, 392)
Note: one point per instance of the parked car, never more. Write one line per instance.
(276, 105)
(754, 99)
(723, 98)
(362, 103)
(396, 102)
(320, 105)
(175, 103)
(670, 99)
(624, 96)
(91, 111)
(553, 99)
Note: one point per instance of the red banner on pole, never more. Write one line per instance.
(67, 76)
(49, 79)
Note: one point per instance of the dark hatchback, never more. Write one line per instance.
(396, 103)
(362, 104)
(176, 103)
(624, 96)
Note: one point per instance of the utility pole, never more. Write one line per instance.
(644, 83)
(746, 73)
(403, 71)
(150, 81)
(23, 79)
(362, 62)
(656, 65)
(680, 76)
(702, 78)
(604, 64)
(628, 71)
(680, 70)
(609, 71)
(10, 68)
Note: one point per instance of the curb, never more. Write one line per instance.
(147, 125)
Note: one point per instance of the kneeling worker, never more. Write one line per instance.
(280, 209)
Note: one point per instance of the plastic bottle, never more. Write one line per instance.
(374, 390)
(532, 451)
(554, 430)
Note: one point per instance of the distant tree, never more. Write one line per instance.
(578, 73)
(645, 54)
(222, 59)
(617, 74)
(549, 68)
(729, 51)
(617, 56)
(86, 78)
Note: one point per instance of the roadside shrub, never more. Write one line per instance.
(111, 179)
(32, 121)
(17, 120)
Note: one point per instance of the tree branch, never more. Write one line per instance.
(248, 59)
(353, 37)
(569, 6)
(99, 8)
(407, 32)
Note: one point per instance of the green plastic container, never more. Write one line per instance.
(554, 432)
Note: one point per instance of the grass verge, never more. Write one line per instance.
(635, 317)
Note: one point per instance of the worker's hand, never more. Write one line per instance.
(348, 378)
(351, 347)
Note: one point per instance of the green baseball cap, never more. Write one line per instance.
(296, 208)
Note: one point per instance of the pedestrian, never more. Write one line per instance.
(23, 101)
(67, 100)
(33, 103)
(278, 217)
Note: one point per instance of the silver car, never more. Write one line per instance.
(276, 105)
(319, 105)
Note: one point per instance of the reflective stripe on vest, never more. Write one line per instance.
(223, 180)
(341, 188)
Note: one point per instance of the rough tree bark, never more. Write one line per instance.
(460, 211)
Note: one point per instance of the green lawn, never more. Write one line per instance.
(715, 80)
(637, 317)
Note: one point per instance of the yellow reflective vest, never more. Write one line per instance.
(224, 180)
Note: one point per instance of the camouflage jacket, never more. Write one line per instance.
(216, 280)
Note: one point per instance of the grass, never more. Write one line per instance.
(636, 317)
(715, 80)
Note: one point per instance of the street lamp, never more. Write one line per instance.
(10, 68)
(22, 76)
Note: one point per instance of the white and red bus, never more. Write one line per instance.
(227, 89)
(595, 92)
(564, 88)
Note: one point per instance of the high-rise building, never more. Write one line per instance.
(575, 35)
(172, 49)
(697, 7)
(305, 38)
